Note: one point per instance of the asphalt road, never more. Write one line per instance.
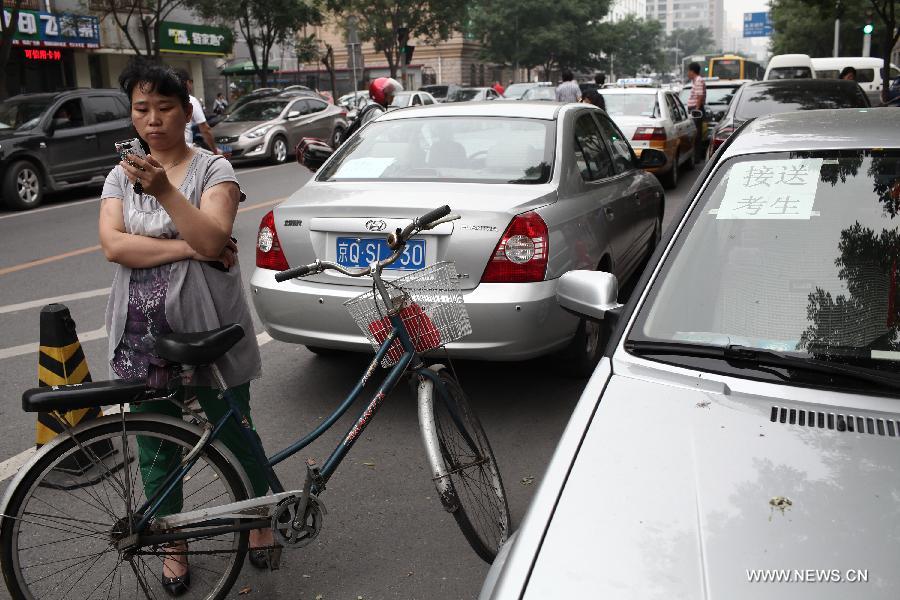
(385, 534)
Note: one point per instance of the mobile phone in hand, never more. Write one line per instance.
(132, 146)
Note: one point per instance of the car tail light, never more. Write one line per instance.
(521, 254)
(268, 249)
(654, 134)
(720, 136)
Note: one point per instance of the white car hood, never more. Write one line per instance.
(678, 492)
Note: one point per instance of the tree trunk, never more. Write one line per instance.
(328, 59)
(6, 46)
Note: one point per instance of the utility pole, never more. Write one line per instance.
(352, 45)
(867, 37)
(838, 11)
(402, 39)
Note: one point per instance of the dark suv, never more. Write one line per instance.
(55, 141)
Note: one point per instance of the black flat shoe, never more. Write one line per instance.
(259, 558)
(177, 586)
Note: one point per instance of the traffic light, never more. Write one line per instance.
(406, 51)
(868, 28)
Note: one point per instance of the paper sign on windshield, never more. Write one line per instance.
(771, 189)
(364, 168)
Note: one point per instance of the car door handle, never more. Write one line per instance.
(610, 213)
(91, 136)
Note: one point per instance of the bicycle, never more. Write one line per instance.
(82, 493)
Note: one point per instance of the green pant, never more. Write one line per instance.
(157, 458)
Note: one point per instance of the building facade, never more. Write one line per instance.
(623, 8)
(689, 14)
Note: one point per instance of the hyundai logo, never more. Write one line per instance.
(376, 225)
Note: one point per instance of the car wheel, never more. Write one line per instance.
(583, 353)
(670, 179)
(23, 188)
(279, 150)
(337, 137)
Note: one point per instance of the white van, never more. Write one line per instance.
(868, 72)
(790, 66)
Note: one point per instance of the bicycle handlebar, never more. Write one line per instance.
(396, 241)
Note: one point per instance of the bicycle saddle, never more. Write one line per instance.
(198, 348)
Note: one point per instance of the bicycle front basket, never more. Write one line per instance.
(432, 309)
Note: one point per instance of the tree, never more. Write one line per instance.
(807, 26)
(697, 40)
(263, 23)
(531, 33)
(632, 46)
(380, 20)
(7, 32)
(887, 12)
(145, 15)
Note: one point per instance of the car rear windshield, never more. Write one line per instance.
(516, 90)
(438, 91)
(259, 110)
(727, 69)
(462, 95)
(539, 93)
(761, 100)
(464, 148)
(720, 96)
(631, 105)
(24, 114)
(794, 252)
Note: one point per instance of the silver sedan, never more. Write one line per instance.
(541, 188)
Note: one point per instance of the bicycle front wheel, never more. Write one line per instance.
(477, 499)
(64, 523)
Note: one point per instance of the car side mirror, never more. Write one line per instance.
(651, 158)
(696, 114)
(312, 153)
(589, 294)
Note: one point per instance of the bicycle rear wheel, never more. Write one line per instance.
(477, 499)
(59, 532)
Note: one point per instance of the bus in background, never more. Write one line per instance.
(731, 66)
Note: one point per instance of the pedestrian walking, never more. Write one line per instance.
(697, 101)
(568, 90)
(600, 80)
(497, 87)
(176, 271)
(197, 117)
(220, 105)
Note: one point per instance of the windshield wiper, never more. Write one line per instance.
(764, 358)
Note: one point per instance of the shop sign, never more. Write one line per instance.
(194, 39)
(42, 54)
(54, 30)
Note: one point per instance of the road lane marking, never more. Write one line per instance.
(56, 300)
(23, 349)
(49, 259)
(10, 466)
(88, 249)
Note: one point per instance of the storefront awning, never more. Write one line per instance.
(245, 67)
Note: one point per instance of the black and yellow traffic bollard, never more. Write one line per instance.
(61, 361)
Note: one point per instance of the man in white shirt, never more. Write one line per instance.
(197, 116)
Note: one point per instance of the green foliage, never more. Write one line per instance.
(263, 23)
(698, 40)
(632, 46)
(529, 33)
(807, 27)
(379, 20)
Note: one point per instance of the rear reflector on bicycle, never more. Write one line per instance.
(431, 308)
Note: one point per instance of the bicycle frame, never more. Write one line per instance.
(398, 332)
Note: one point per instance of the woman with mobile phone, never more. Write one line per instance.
(166, 220)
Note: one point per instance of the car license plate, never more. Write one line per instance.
(640, 144)
(359, 252)
(224, 149)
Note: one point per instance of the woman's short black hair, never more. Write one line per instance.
(153, 77)
(847, 71)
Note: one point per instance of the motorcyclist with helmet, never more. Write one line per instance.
(381, 94)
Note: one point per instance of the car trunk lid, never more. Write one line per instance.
(323, 219)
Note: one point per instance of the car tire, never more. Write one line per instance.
(325, 352)
(23, 186)
(337, 137)
(670, 179)
(580, 357)
(279, 153)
